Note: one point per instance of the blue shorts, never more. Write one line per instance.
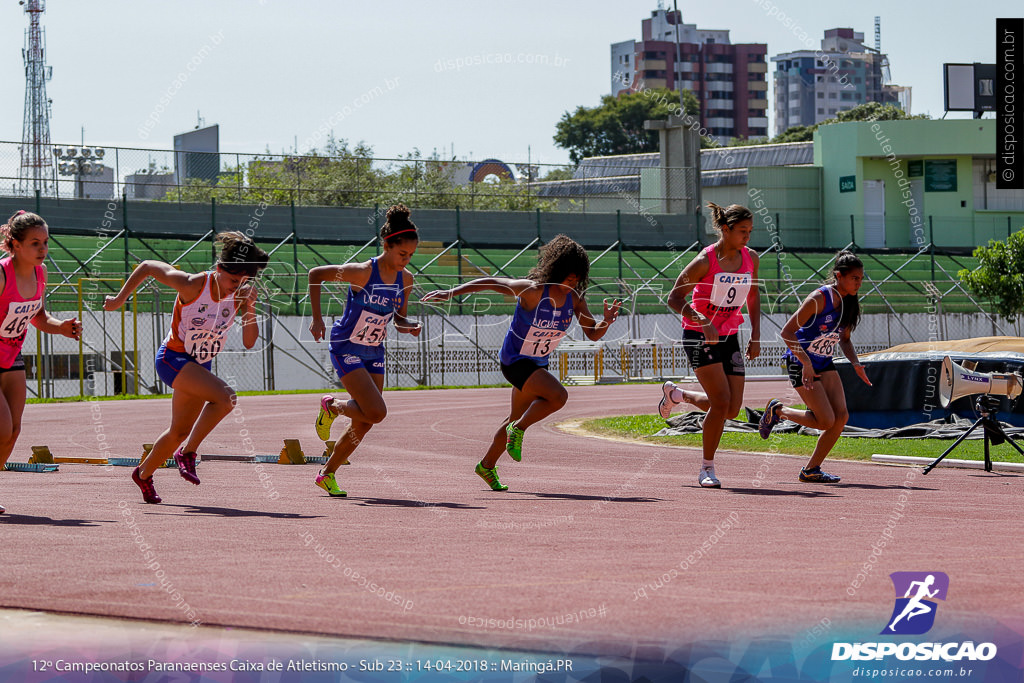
(346, 363)
(169, 364)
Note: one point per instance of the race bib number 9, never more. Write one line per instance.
(371, 329)
(18, 316)
(539, 342)
(203, 345)
(730, 289)
(825, 345)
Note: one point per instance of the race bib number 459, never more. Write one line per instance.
(19, 314)
(371, 329)
(539, 342)
(730, 289)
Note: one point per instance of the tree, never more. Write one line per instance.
(617, 125)
(869, 111)
(998, 275)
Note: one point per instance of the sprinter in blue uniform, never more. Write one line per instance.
(546, 301)
(378, 294)
(824, 320)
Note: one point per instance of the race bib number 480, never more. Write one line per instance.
(18, 316)
(203, 345)
(539, 342)
(730, 289)
(371, 329)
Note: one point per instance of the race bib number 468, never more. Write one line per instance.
(730, 289)
(19, 314)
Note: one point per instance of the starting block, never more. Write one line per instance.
(80, 461)
(292, 453)
(135, 462)
(41, 454)
(31, 467)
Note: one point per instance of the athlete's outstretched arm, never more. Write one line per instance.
(317, 276)
(402, 323)
(593, 329)
(186, 284)
(846, 344)
(502, 285)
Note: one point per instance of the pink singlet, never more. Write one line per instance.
(719, 295)
(16, 311)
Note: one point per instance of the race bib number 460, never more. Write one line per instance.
(203, 345)
(539, 342)
(18, 316)
(371, 329)
(730, 289)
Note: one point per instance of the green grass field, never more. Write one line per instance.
(907, 291)
(641, 427)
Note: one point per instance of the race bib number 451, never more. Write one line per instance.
(730, 289)
(371, 329)
(539, 342)
(203, 345)
(18, 316)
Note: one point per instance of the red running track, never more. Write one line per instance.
(565, 558)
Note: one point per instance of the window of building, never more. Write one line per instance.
(832, 96)
(821, 95)
(819, 79)
(821, 110)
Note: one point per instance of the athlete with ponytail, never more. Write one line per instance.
(25, 238)
(722, 278)
(378, 293)
(204, 309)
(825, 319)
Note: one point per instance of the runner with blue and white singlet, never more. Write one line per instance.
(378, 294)
(546, 301)
(824, 320)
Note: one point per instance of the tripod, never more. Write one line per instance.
(987, 406)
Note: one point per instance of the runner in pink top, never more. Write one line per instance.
(22, 290)
(722, 278)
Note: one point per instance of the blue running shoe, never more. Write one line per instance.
(770, 418)
(816, 476)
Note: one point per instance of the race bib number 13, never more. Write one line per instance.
(539, 342)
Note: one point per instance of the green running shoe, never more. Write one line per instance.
(490, 475)
(324, 419)
(328, 483)
(514, 442)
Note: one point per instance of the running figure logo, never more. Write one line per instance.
(914, 612)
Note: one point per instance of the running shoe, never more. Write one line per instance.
(324, 419)
(770, 418)
(490, 475)
(186, 463)
(514, 442)
(708, 480)
(328, 483)
(667, 402)
(816, 476)
(148, 490)
(2, 509)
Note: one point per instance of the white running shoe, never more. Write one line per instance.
(708, 480)
(667, 402)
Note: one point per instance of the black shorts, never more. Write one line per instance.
(520, 371)
(726, 352)
(18, 364)
(796, 372)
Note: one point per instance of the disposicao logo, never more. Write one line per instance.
(914, 614)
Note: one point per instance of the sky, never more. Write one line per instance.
(477, 79)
